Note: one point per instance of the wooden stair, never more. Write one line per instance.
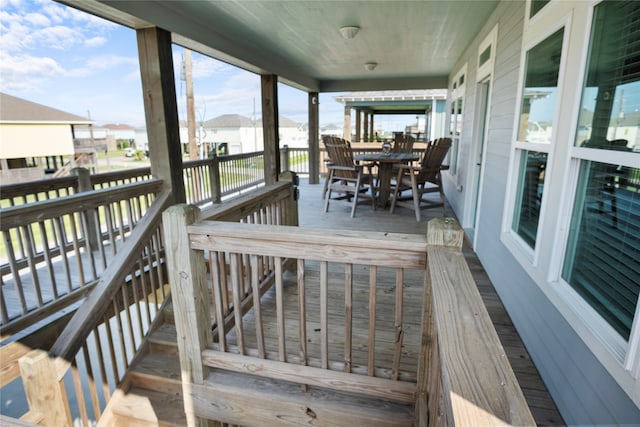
(151, 395)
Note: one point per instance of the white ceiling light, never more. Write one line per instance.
(370, 66)
(349, 32)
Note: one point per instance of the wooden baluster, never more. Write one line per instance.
(372, 320)
(282, 349)
(398, 327)
(348, 316)
(324, 327)
(218, 290)
(236, 277)
(255, 283)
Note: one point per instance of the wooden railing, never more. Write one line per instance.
(55, 250)
(463, 377)
(93, 352)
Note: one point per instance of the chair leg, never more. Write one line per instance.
(326, 187)
(355, 197)
(416, 197)
(328, 195)
(395, 191)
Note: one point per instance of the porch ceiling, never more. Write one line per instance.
(414, 43)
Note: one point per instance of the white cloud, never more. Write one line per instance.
(100, 63)
(58, 37)
(95, 41)
(26, 72)
(37, 19)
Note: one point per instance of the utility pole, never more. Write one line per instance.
(191, 112)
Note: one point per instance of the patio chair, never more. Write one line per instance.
(346, 177)
(403, 143)
(422, 179)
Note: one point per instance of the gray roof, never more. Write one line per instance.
(18, 110)
(229, 121)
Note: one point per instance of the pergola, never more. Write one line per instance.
(369, 104)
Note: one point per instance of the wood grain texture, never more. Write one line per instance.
(478, 384)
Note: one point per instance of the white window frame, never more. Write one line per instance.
(621, 359)
(457, 92)
(486, 69)
(526, 255)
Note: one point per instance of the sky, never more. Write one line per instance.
(66, 59)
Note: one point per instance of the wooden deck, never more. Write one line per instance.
(311, 213)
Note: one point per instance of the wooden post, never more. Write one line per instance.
(358, 125)
(365, 126)
(187, 278)
(346, 127)
(292, 201)
(314, 135)
(45, 393)
(214, 178)
(270, 128)
(284, 158)
(84, 184)
(479, 388)
(161, 110)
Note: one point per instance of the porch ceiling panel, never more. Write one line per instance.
(414, 43)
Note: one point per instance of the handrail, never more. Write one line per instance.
(87, 315)
(474, 383)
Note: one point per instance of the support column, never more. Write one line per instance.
(346, 132)
(371, 131)
(434, 117)
(314, 143)
(161, 110)
(358, 124)
(365, 125)
(269, 84)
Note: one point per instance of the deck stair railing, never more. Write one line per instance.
(108, 333)
(55, 250)
(339, 320)
(75, 379)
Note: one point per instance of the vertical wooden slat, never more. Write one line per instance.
(59, 227)
(236, 277)
(399, 331)
(223, 283)
(112, 352)
(15, 272)
(372, 320)
(127, 310)
(123, 347)
(282, 349)
(136, 298)
(348, 316)
(77, 385)
(46, 251)
(87, 244)
(93, 392)
(257, 307)
(302, 311)
(101, 359)
(30, 248)
(218, 290)
(324, 327)
(76, 248)
(146, 290)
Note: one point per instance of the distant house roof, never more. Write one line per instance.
(18, 110)
(229, 121)
(285, 122)
(117, 126)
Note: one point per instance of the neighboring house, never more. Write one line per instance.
(331, 129)
(292, 134)
(240, 133)
(35, 140)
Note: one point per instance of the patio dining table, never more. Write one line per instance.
(385, 163)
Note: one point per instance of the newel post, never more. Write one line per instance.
(214, 178)
(45, 392)
(187, 278)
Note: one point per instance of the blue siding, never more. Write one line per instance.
(583, 390)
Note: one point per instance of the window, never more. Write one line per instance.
(530, 186)
(602, 259)
(536, 5)
(537, 108)
(455, 119)
(540, 89)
